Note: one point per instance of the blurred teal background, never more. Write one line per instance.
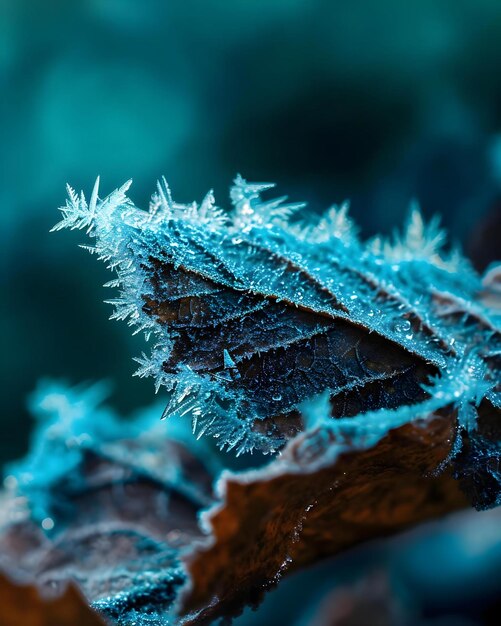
(376, 101)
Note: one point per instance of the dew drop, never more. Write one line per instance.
(402, 326)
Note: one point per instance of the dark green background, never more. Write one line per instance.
(378, 101)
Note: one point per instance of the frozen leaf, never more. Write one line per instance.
(114, 514)
(253, 314)
(323, 495)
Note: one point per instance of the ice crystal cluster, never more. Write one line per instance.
(253, 312)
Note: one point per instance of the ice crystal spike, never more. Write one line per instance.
(252, 314)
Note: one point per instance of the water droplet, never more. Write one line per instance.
(277, 397)
(48, 523)
(402, 326)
